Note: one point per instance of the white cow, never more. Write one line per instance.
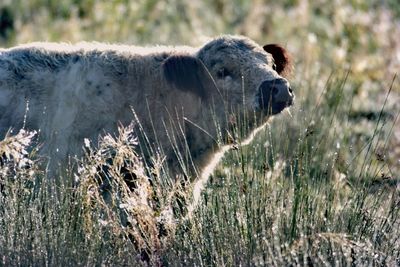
(184, 97)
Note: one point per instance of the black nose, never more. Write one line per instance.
(275, 95)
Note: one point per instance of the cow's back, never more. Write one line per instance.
(71, 92)
(66, 93)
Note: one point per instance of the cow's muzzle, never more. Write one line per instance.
(275, 95)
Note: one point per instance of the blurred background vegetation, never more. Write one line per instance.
(317, 167)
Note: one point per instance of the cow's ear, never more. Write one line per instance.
(188, 73)
(282, 58)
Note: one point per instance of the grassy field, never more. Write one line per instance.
(319, 186)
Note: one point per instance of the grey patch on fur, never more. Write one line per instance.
(187, 73)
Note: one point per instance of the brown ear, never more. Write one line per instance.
(188, 73)
(283, 60)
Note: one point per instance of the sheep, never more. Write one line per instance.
(185, 99)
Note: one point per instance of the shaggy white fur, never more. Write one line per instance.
(72, 92)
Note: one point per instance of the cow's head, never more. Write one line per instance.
(236, 70)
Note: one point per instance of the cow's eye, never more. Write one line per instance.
(222, 73)
(274, 66)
